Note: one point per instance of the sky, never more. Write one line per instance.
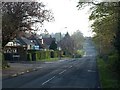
(67, 17)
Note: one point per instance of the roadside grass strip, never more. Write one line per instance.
(107, 79)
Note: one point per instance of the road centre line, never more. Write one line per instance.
(48, 80)
(62, 72)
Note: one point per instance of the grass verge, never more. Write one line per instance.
(50, 59)
(107, 78)
(54, 59)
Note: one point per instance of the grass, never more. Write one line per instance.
(107, 78)
(52, 59)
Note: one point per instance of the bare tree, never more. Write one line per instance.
(20, 16)
(67, 44)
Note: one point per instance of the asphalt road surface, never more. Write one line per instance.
(73, 73)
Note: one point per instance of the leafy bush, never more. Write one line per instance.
(78, 56)
(106, 75)
(56, 54)
(40, 55)
(113, 61)
(79, 53)
(4, 63)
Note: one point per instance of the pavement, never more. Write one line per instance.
(16, 69)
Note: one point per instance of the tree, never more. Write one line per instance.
(78, 39)
(117, 36)
(104, 15)
(20, 16)
(67, 44)
(53, 45)
(106, 25)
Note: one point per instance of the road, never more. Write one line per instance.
(73, 73)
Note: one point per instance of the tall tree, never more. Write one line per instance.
(53, 45)
(67, 44)
(117, 36)
(106, 25)
(78, 40)
(20, 16)
(104, 15)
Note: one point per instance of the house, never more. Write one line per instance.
(47, 41)
(18, 47)
(38, 42)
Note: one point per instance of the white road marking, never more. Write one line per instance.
(91, 71)
(62, 72)
(48, 80)
(98, 87)
(70, 66)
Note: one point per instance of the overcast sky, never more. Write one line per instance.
(67, 17)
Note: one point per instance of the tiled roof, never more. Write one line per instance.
(48, 41)
(36, 40)
(25, 41)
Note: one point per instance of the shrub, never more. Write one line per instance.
(4, 63)
(55, 54)
(113, 61)
(39, 55)
(78, 56)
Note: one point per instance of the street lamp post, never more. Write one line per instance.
(59, 53)
(60, 47)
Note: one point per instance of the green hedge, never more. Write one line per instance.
(40, 55)
(107, 77)
(56, 54)
(112, 61)
(3, 62)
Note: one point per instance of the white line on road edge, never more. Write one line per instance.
(48, 80)
(98, 87)
(62, 72)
